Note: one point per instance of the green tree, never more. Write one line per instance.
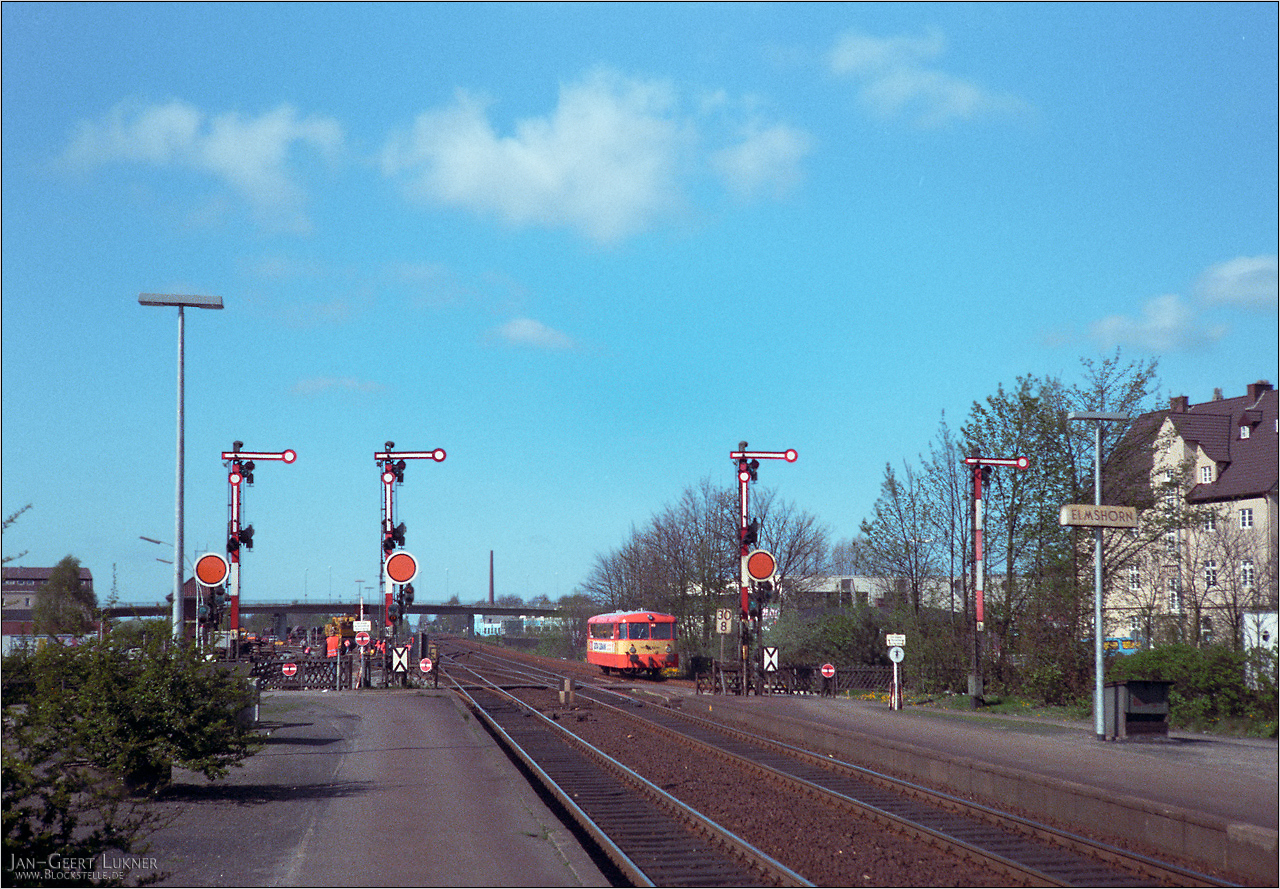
(64, 604)
(129, 707)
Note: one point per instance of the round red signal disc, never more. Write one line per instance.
(438, 455)
(791, 455)
(761, 565)
(401, 567)
(289, 456)
(211, 569)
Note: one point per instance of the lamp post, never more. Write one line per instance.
(197, 302)
(1099, 417)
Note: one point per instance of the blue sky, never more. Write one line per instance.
(587, 249)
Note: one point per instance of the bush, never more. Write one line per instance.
(1209, 684)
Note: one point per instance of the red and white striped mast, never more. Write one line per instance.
(241, 472)
(748, 465)
(396, 566)
(982, 467)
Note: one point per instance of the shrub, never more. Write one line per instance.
(1209, 684)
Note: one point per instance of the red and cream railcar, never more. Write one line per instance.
(633, 642)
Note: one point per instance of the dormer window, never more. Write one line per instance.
(1206, 475)
(1244, 432)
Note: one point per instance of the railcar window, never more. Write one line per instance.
(662, 631)
(601, 631)
(638, 631)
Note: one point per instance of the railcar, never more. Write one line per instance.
(633, 642)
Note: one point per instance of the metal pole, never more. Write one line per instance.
(1098, 726)
(178, 489)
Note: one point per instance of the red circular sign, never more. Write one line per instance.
(438, 455)
(288, 669)
(761, 565)
(362, 638)
(289, 456)
(791, 455)
(401, 567)
(211, 569)
(425, 665)
(828, 670)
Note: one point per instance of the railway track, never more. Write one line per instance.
(651, 837)
(1016, 849)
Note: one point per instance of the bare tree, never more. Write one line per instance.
(898, 536)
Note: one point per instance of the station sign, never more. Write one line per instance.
(895, 640)
(1094, 516)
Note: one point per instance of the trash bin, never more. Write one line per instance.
(1136, 708)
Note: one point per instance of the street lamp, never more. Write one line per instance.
(196, 302)
(1099, 417)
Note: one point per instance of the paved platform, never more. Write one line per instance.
(367, 789)
(1203, 797)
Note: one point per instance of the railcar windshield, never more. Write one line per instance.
(638, 631)
(663, 631)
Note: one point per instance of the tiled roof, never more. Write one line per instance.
(40, 574)
(1247, 467)
(1253, 464)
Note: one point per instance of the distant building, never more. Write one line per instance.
(17, 599)
(1216, 464)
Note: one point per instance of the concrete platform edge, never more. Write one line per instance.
(1247, 852)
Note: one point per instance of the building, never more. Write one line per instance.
(1212, 499)
(17, 599)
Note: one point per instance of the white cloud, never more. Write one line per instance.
(605, 161)
(613, 158)
(528, 332)
(1246, 281)
(895, 80)
(767, 159)
(1167, 323)
(252, 155)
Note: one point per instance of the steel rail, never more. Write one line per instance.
(1143, 866)
(1067, 843)
(731, 846)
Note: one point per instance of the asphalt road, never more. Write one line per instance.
(367, 788)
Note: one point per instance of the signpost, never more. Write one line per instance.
(1098, 516)
(1099, 417)
(771, 659)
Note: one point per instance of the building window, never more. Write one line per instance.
(1211, 521)
(1135, 577)
(1171, 540)
(1244, 431)
(1246, 573)
(1246, 517)
(1210, 573)
(1175, 596)
(1206, 474)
